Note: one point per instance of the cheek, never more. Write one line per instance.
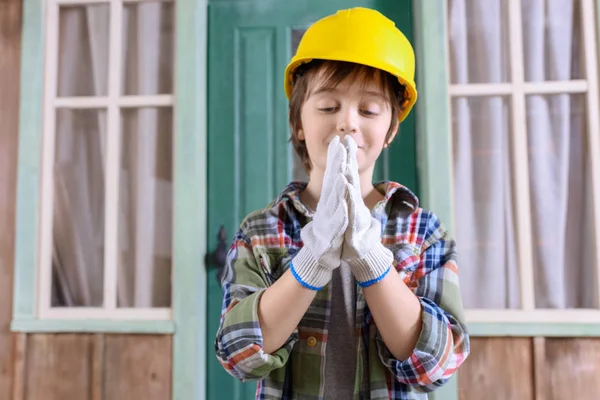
(374, 141)
(315, 129)
(368, 156)
(375, 137)
(314, 138)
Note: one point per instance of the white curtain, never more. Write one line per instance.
(145, 179)
(558, 163)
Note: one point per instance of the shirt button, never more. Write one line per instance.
(311, 341)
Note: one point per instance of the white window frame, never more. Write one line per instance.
(113, 103)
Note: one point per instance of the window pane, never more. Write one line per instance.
(298, 171)
(479, 39)
(560, 182)
(146, 203)
(297, 34)
(482, 202)
(148, 46)
(78, 257)
(83, 50)
(552, 40)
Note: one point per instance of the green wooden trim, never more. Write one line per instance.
(533, 329)
(189, 274)
(447, 392)
(30, 145)
(433, 109)
(434, 157)
(92, 326)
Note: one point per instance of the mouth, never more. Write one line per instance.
(358, 146)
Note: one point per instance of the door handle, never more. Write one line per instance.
(218, 257)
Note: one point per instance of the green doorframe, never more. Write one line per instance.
(189, 210)
(433, 108)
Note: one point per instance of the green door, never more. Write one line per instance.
(249, 157)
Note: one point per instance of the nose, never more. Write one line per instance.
(347, 122)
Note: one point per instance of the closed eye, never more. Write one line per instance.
(327, 109)
(369, 113)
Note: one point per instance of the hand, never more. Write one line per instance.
(324, 235)
(368, 258)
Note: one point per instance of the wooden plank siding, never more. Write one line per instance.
(10, 64)
(531, 369)
(58, 366)
(498, 368)
(137, 367)
(567, 368)
(96, 367)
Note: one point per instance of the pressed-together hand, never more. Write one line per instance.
(324, 235)
(363, 251)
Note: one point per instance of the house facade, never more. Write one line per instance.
(135, 136)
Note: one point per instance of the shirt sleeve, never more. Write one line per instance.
(239, 340)
(443, 343)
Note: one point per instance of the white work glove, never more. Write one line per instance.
(324, 235)
(368, 258)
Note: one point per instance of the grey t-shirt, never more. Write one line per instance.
(340, 353)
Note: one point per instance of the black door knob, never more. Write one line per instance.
(218, 257)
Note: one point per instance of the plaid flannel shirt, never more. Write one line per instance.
(425, 257)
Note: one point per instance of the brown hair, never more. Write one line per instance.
(334, 73)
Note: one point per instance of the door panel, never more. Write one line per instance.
(250, 158)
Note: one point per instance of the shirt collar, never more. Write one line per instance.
(396, 197)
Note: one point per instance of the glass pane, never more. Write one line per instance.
(297, 34)
(552, 40)
(560, 182)
(482, 202)
(146, 208)
(298, 171)
(479, 41)
(148, 47)
(78, 229)
(83, 50)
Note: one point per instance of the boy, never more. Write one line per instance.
(341, 289)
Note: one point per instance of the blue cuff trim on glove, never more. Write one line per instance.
(373, 281)
(306, 285)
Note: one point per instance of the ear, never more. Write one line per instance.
(301, 135)
(392, 135)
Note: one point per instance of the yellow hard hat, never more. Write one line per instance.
(362, 36)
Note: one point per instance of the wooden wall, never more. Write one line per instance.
(531, 369)
(10, 44)
(93, 367)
